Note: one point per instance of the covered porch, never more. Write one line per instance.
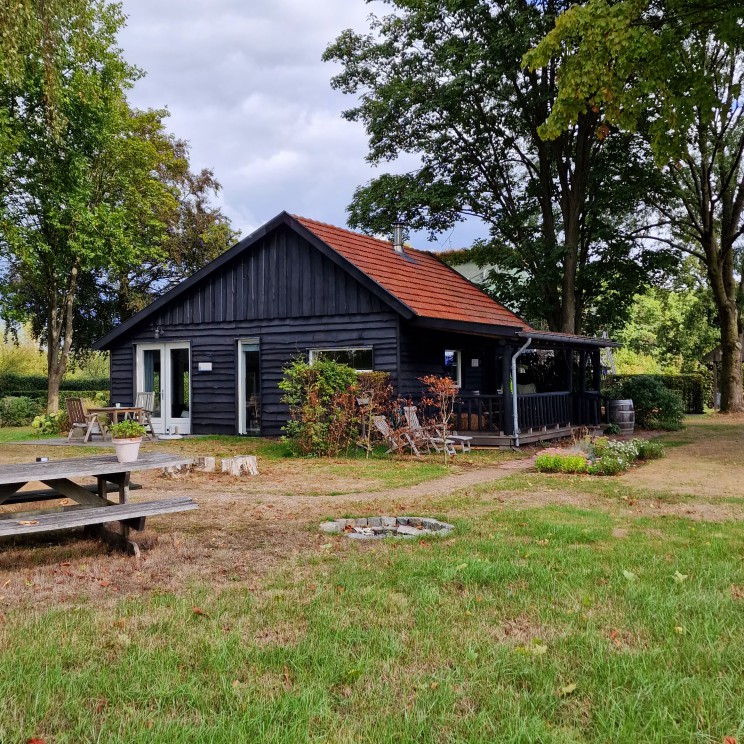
(519, 388)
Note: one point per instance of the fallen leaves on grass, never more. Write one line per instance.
(198, 611)
(567, 690)
(629, 575)
(679, 578)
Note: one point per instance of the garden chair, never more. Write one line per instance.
(146, 401)
(87, 422)
(394, 442)
(436, 441)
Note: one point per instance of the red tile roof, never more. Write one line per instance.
(426, 285)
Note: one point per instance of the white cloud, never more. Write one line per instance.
(245, 85)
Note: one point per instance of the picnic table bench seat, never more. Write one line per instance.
(131, 515)
(51, 494)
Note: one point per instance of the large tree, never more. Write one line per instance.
(672, 71)
(89, 187)
(443, 82)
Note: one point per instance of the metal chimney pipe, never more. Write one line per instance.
(398, 230)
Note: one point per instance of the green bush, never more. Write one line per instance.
(696, 390)
(128, 429)
(51, 423)
(18, 411)
(656, 407)
(649, 450)
(609, 465)
(323, 415)
(561, 463)
(24, 384)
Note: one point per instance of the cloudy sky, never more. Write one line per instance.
(246, 87)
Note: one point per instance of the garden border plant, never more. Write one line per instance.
(600, 456)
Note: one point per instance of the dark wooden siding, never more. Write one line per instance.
(422, 353)
(282, 291)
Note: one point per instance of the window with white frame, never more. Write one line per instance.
(453, 365)
(359, 358)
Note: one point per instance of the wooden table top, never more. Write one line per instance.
(80, 467)
(114, 409)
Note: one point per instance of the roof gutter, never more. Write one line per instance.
(515, 411)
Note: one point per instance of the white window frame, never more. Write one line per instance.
(313, 353)
(242, 423)
(458, 365)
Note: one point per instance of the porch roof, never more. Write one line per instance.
(567, 339)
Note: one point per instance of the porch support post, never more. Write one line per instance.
(582, 387)
(507, 422)
(568, 355)
(596, 370)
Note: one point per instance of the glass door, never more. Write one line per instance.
(249, 383)
(165, 369)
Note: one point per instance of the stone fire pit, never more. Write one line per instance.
(375, 528)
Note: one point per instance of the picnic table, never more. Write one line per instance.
(92, 509)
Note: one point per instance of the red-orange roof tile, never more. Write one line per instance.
(425, 284)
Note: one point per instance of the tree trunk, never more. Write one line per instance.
(59, 338)
(732, 399)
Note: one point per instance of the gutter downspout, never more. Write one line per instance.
(515, 412)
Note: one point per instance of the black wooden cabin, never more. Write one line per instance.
(213, 348)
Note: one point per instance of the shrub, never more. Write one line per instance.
(612, 429)
(10, 382)
(561, 464)
(128, 429)
(51, 423)
(648, 450)
(608, 465)
(322, 408)
(656, 407)
(696, 389)
(17, 411)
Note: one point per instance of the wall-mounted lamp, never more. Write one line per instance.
(156, 332)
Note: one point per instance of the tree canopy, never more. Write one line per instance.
(444, 83)
(95, 196)
(671, 72)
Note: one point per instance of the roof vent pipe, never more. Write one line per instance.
(398, 230)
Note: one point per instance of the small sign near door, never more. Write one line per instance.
(204, 366)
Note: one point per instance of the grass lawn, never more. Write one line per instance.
(562, 609)
(16, 433)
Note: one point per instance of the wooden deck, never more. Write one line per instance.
(528, 437)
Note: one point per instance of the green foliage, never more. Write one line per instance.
(650, 450)
(671, 71)
(442, 82)
(612, 429)
(18, 411)
(694, 389)
(34, 383)
(608, 465)
(674, 326)
(98, 207)
(51, 423)
(561, 463)
(321, 399)
(655, 405)
(128, 429)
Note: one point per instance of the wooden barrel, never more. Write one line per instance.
(623, 414)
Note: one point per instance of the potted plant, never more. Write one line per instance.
(127, 437)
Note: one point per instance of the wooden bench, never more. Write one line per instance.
(51, 494)
(130, 515)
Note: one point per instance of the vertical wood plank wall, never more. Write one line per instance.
(281, 290)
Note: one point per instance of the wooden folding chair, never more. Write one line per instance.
(146, 401)
(394, 441)
(79, 419)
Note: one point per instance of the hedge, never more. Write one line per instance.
(40, 396)
(30, 385)
(695, 389)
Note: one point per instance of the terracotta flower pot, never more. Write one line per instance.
(127, 450)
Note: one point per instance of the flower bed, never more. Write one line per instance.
(600, 456)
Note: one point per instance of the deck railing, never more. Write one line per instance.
(485, 414)
(539, 410)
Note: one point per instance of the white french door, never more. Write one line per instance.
(165, 369)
